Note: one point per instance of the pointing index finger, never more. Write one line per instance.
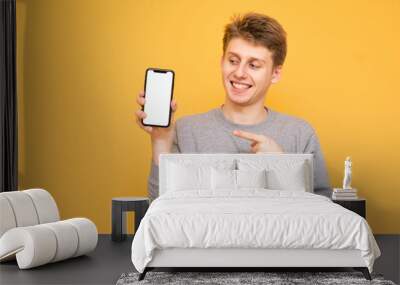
(248, 136)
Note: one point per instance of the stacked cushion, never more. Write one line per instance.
(237, 179)
(279, 174)
(190, 175)
(251, 178)
(289, 174)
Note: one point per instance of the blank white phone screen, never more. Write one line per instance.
(158, 96)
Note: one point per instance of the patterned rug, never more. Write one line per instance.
(270, 278)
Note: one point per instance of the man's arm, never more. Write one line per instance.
(153, 180)
(163, 140)
(321, 178)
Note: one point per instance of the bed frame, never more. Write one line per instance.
(247, 259)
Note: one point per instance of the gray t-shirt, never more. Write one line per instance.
(211, 132)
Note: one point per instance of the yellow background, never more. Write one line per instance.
(81, 64)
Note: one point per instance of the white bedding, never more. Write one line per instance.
(250, 218)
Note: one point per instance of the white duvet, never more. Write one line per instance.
(251, 218)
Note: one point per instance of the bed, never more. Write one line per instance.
(245, 211)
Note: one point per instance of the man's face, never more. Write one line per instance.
(247, 72)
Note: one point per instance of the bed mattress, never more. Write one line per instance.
(250, 219)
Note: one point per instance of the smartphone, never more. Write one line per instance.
(158, 92)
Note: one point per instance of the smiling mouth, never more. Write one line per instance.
(240, 85)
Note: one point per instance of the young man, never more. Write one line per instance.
(254, 49)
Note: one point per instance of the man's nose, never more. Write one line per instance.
(240, 71)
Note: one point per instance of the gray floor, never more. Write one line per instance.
(102, 266)
(111, 259)
(389, 262)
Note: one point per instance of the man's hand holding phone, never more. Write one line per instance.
(161, 137)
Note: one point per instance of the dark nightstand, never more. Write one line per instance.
(357, 205)
(122, 205)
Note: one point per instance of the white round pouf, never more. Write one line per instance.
(23, 208)
(33, 246)
(87, 233)
(31, 232)
(7, 216)
(46, 207)
(67, 240)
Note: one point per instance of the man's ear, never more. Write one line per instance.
(276, 74)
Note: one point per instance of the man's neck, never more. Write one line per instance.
(244, 115)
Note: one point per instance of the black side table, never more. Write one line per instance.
(357, 205)
(120, 206)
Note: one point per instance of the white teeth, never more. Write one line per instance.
(240, 85)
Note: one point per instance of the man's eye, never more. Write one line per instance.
(232, 61)
(254, 66)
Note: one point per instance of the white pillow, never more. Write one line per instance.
(223, 179)
(187, 177)
(236, 179)
(288, 179)
(281, 174)
(251, 178)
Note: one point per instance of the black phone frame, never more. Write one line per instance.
(160, 70)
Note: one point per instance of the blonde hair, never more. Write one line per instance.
(258, 29)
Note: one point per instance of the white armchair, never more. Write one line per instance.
(31, 230)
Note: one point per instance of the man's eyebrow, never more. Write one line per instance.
(251, 58)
